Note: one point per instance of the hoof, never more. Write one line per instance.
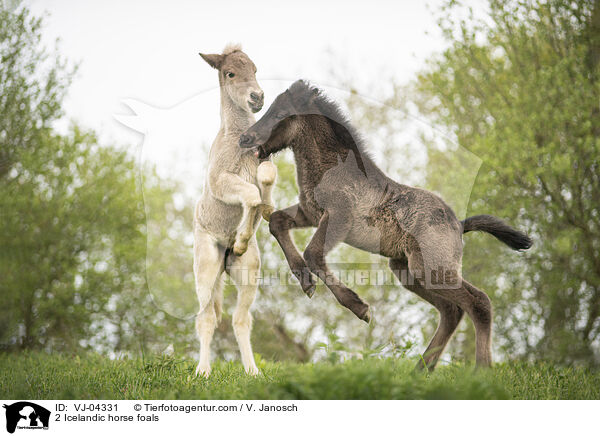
(267, 210)
(253, 371)
(366, 316)
(307, 281)
(266, 173)
(240, 248)
(310, 290)
(202, 371)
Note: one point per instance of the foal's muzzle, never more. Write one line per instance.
(248, 140)
(257, 100)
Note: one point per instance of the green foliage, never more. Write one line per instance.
(520, 90)
(73, 249)
(60, 205)
(90, 376)
(33, 82)
(72, 223)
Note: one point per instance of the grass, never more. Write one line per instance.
(43, 376)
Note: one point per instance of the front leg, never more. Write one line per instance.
(232, 189)
(333, 228)
(280, 224)
(266, 174)
(245, 231)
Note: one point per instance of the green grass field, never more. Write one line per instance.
(43, 376)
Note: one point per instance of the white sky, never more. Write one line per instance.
(148, 50)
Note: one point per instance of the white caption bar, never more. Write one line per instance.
(299, 417)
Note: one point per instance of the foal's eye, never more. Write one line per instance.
(280, 115)
(230, 75)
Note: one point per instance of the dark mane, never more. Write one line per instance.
(311, 99)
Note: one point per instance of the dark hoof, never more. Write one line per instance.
(307, 281)
(309, 290)
(366, 315)
(349, 299)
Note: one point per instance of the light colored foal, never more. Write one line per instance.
(236, 193)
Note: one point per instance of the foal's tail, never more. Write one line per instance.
(499, 229)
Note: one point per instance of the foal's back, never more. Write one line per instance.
(387, 217)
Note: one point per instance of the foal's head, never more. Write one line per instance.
(237, 77)
(284, 120)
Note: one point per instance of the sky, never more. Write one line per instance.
(148, 50)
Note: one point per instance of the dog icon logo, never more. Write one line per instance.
(26, 415)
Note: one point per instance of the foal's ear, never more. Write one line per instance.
(214, 60)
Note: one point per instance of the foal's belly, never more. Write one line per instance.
(367, 238)
(219, 219)
(361, 235)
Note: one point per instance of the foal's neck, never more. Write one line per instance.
(316, 151)
(234, 119)
(318, 143)
(323, 147)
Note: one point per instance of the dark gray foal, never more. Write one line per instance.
(349, 199)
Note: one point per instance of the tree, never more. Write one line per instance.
(72, 222)
(62, 207)
(33, 81)
(519, 88)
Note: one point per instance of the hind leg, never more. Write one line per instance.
(450, 313)
(477, 304)
(244, 271)
(466, 296)
(479, 308)
(208, 266)
(480, 311)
